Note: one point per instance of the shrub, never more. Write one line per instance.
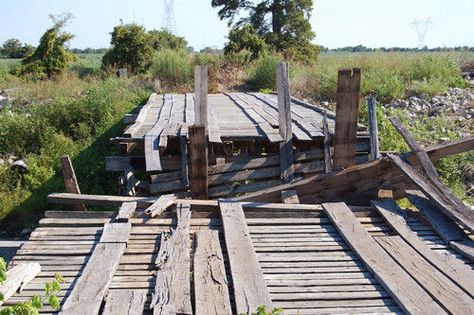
(263, 75)
(173, 68)
(245, 41)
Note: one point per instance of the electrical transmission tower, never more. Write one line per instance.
(421, 27)
(169, 22)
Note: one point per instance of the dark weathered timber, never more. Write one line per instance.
(441, 288)
(284, 119)
(445, 226)
(183, 146)
(17, 278)
(451, 267)
(172, 293)
(160, 205)
(327, 146)
(250, 290)
(126, 211)
(198, 150)
(461, 215)
(347, 111)
(201, 112)
(465, 248)
(211, 293)
(290, 196)
(409, 296)
(70, 180)
(126, 302)
(373, 128)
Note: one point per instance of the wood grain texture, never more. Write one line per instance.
(211, 292)
(347, 111)
(116, 233)
(172, 293)
(126, 211)
(70, 180)
(126, 302)
(465, 248)
(284, 119)
(160, 205)
(409, 296)
(201, 112)
(250, 290)
(290, 196)
(441, 288)
(17, 278)
(451, 267)
(183, 147)
(373, 128)
(198, 151)
(327, 147)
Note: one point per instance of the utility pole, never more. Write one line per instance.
(421, 27)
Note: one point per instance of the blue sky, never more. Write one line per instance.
(337, 23)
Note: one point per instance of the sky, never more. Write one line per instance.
(337, 23)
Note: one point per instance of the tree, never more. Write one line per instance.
(12, 48)
(246, 39)
(51, 56)
(284, 24)
(166, 40)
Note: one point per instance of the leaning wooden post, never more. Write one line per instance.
(70, 180)
(347, 112)
(199, 161)
(373, 129)
(284, 120)
(327, 146)
(200, 95)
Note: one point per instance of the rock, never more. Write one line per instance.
(20, 164)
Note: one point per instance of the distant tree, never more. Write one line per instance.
(13, 48)
(166, 40)
(51, 57)
(283, 24)
(246, 39)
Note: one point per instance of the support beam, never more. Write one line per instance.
(70, 180)
(198, 150)
(373, 128)
(284, 119)
(183, 146)
(327, 146)
(347, 111)
(201, 112)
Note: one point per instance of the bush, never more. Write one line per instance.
(263, 75)
(245, 41)
(173, 68)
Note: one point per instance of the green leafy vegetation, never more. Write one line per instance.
(261, 310)
(12, 48)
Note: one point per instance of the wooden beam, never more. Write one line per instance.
(327, 146)
(116, 233)
(347, 111)
(126, 211)
(70, 180)
(250, 290)
(289, 196)
(172, 293)
(373, 128)
(284, 119)
(17, 278)
(201, 113)
(198, 150)
(211, 291)
(465, 248)
(183, 146)
(160, 205)
(126, 302)
(451, 267)
(409, 296)
(442, 289)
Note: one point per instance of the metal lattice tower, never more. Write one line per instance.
(421, 27)
(169, 22)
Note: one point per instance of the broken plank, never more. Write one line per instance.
(403, 289)
(211, 291)
(126, 211)
(441, 288)
(127, 302)
(160, 205)
(250, 290)
(450, 266)
(290, 196)
(172, 293)
(17, 278)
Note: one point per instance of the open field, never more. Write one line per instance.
(78, 112)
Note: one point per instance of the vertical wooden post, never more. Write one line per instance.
(347, 112)
(373, 129)
(199, 161)
(200, 94)
(70, 180)
(327, 146)
(284, 120)
(183, 146)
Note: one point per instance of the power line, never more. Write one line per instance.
(169, 22)
(421, 27)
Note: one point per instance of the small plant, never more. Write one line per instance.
(261, 310)
(34, 305)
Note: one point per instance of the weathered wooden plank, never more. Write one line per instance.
(160, 205)
(444, 291)
(127, 302)
(284, 118)
(403, 289)
(116, 233)
(461, 215)
(465, 248)
(201, 113)
(198, 150)
(17, 278)
(450, 266)
(70, 180)
(126, 211)
(446, 228)
(172, 293)
(373, 128)
(183, 146)
(211, 291)
(250, 290)
(327, 147)
(89, 290)
(290, 196)
(347, 110)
